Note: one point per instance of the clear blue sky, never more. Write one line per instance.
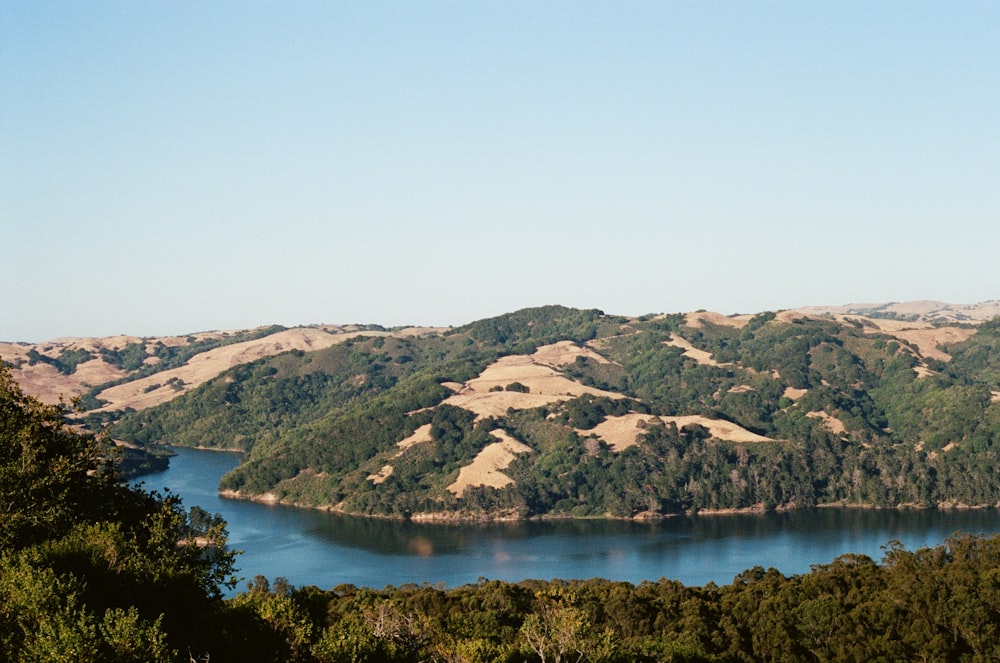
(168, 167)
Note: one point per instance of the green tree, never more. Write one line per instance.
(90, 569)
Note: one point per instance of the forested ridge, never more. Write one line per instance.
(840, 412)
(93, 570)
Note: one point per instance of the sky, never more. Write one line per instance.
(172, 167)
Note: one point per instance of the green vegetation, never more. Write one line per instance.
(317, 425)
(65, 363)
(135, 358)
(93, 571)
(931, 604)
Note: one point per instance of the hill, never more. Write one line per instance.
(563, 412)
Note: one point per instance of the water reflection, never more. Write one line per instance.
(314, 547)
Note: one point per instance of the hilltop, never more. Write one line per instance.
(558, 411)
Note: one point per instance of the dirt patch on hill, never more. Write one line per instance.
(421, 435)
(793, 393)
(700, 356)
(701, 318)
(486, 468)
(488, 395)
(719, 429)
(831, 423)
(620, 432)
(381, 475)
(565, 353)
(624, 431)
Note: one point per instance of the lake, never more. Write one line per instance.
(311, 547)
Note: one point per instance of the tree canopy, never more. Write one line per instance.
(91, 569)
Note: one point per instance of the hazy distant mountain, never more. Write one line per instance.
(557, 411)
(918, 311)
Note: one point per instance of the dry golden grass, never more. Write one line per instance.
(624, 431)
(925, 310)
(927, 339)
(421, 435)
(831, 423)
(620, 432)
(794, 394)
(46, 383)
(921, 334)
(381, 475)
(719, 429)
(700, 318)
(486, 468)
(486, 394)
(145, 393)
(565, 353)
(700, 356)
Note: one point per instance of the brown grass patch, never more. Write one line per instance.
(421, 435)
(701, 318)
(144, 393)
(486, 394)
(794, 394)
(927, 340)
(620, 432)
(624, 431)
(831, 423)
(381, 475)
(565, 353)
(719, 429)
(486, 468)
(47, 383)
(700, 356)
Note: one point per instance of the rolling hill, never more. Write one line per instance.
(564, 412)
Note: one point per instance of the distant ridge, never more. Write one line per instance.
(914, 311)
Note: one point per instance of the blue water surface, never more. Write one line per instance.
(310, 547)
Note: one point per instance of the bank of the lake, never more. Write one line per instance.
(313, 547)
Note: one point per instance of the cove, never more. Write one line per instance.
(318, 548)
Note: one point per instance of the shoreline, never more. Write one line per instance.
(460, 518)
(465, 518)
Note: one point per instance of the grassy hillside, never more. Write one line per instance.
(557, 411)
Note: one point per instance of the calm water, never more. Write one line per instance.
(315, 548)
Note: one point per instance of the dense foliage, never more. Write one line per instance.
(937, 604)
(92, 570)
(318, 425)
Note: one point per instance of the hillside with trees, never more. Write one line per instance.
(563, 412)
(92, 570)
